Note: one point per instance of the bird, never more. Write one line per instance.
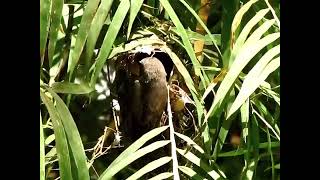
(142, 97)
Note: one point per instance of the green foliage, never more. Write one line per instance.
(240, 72)
(42, 154)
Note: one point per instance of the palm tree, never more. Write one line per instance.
(222, 117)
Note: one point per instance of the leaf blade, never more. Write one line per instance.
(149, 167)
(44, 25)
(71, 88)
(95, 29)
(161, 176)
(82, 35)
(241, 60)
(202, 24)
(189, 141)
(246, 30)
(253, 80)
(56, 15)
(191, 173)
(134, 9)
(42, 153)
(181, 68)
(183, 34)
(238, 17)
(197, 161)
(109, 39)
(61, 140)
(111, 171)
(73, 136)
(138, 143)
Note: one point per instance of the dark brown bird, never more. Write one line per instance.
(143, 98)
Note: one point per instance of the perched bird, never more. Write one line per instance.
(143, 97)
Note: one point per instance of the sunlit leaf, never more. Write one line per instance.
(112, 170)
(238, 17)
(161, 176)
(42, 155)
(241, 60)
(251, 158)
(191, 173)
(149, 167)
(71, 88)
(49, 139)
(51, 154)
(200, 163)
(208, 90)
(134, 44)
(245, 119)
(267, 124)
(257, 34)
(273, 13)
(247, 29)
(254, 78)
(138, 143)
(173, 143)
(270, 93)
(190, 142)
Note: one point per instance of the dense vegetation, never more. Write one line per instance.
(223, 120)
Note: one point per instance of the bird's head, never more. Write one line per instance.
(152, 68)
